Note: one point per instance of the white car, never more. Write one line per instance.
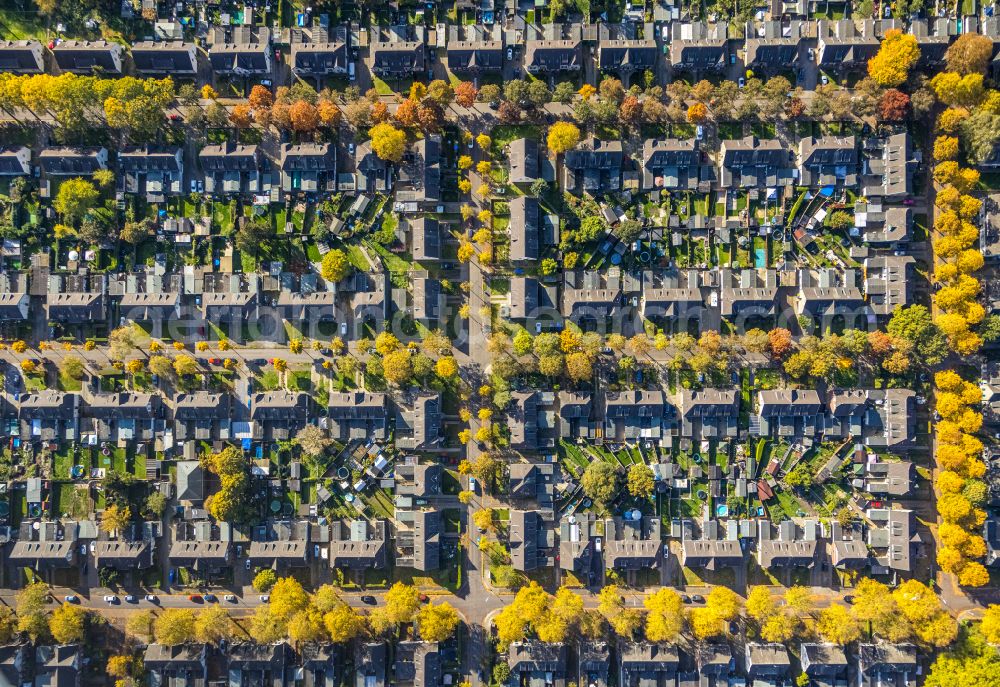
(264, 598)
(112, 600)
(151, 598)
(248, 564)
(229, 598)
(93, 546)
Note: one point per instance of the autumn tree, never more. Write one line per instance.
(388, 142)
(437, 622)
(969, 54)
(893, 106)
(897, 54)
(836, 625)
(665, 615)
(465, 93)
(563, 136)
(640, 480)
(402, 602)
(67, 624)
(175, 626)
(335, 266)
(213, 625)
(304, 116)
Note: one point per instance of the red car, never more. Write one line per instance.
(214, 361)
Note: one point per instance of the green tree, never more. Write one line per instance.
(264, 580)
(75, 198)
(600, 481)
(915, 325)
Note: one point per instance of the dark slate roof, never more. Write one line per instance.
(319, 58)
(308, 157)
(86, 56)
(475, 56)
(21, 57)
(148, 159)
(70, 160)
(552, 55)
(634, 55)
(398, 59)
(229, 157)
(525, 232)
(164, 56)
(15, 161)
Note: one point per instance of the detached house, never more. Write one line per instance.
(89, 57)
(165, 58)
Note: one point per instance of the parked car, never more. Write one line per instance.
(211, 598)
(112, 600)
(248, 564)
(71, 599)
(151, 598)
(510, 53)
(265, 598)
(368, 599)
(195, 598)
(131, 599)
(229, 598)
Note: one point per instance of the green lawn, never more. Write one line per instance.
(63, 465)
(16, 25)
